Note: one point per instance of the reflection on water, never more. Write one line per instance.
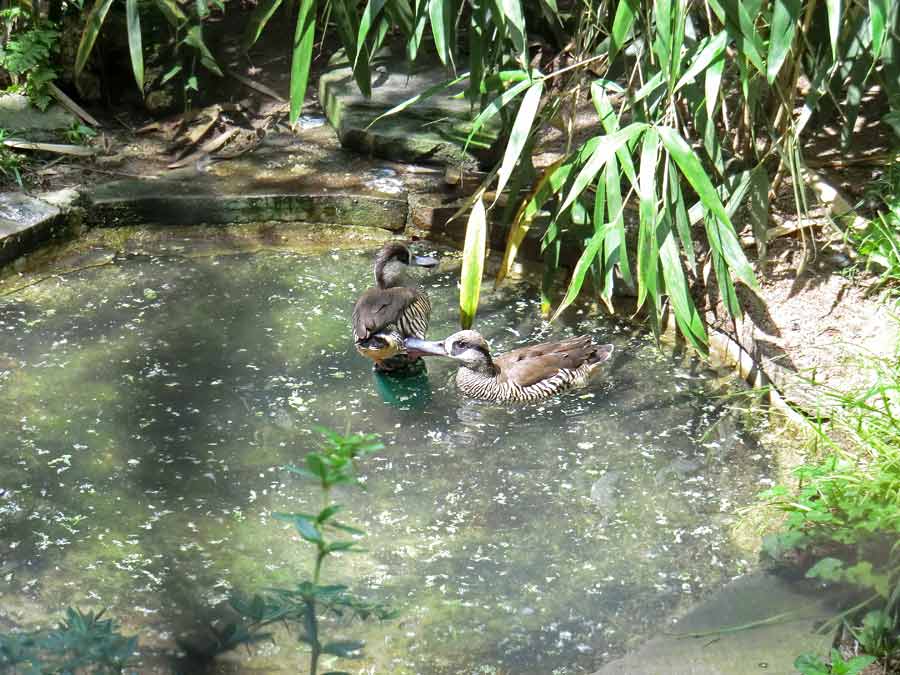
(146, 409)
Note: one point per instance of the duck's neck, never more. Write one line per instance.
(483, 369)
(391, 275)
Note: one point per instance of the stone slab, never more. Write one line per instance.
(768, 649)
(432, 131)
(18, 116)
(25, 223)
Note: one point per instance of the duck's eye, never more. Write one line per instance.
(460, 347)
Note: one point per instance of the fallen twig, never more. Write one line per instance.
(261, 88)
(56, 148)
(207, 148)
(71, 106)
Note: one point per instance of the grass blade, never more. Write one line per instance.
(258, 20)
(519, 134)
(135, 46)
(304, 36)
(785, 15)
(693, 171)
(92, 26)
(473, 264)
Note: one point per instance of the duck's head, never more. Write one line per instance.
(467, 347)
(393, 261)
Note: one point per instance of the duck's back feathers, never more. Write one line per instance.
(379, 308)
(536, 363)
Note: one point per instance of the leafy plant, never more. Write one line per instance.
(10, 161)
(810, 664)
(79, 133)
(305, 605)
(879, 243)
(84, 642)
(27, 56)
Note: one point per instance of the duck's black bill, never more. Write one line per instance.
(416, 347)
(424, 261)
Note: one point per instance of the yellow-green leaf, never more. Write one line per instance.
(92, 26)
(302, 56)
(519, 134)
(135, 46)
(473, 264)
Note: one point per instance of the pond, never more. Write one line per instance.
(148, 407)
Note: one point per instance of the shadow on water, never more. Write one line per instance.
(150, 405)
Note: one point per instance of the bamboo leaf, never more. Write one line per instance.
(713, 85)
(514, 22)
(428, 93)
(441, 14)
(708, 51)
(581, 269)
(369, 15)
(614, 249)
(473, 264)
(785, 15)
(693, 171)
(648, 247)
(606, 148)
(682, 224)
(304, 36)
(194, 38)
(135, 46)
(402, 16)
(92, 26)
(686, 316)
(258, 20)
(759, 208)
(551, 182)
(496, 106)
(519, 134)
(421, 18)
(610, 122)
(172, 12)
(621, 28)
(834, 24)
(878, 11)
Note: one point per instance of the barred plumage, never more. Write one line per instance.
(394, 309)
(527, 374)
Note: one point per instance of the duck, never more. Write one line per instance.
(530, 373)
(394, 309)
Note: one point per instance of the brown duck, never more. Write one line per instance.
(527, 374)
(394, 309)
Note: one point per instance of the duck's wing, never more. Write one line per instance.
(528, 365)
(380, 307)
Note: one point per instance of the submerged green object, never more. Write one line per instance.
(407, 388)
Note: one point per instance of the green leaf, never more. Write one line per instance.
(258, 20)
(514, 23)
(878, 11)
(785, 15)
(693, 171)
(581, 269)
(621, 28)
(648, 245)
(686, 316)
(194, 38)
(606, 147)
(307, 529)
(428, 93)
(473, 264)
(442, 16)
(92, 26)
(614, 249)
(301, 58)
(495, 106)
(172, 12)
(520, 132)
(135, 47)
(682, 224)
(758, 194)
(829, 569)
(369, 15)
(709, 50)
(834, 25)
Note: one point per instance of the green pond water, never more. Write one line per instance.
(147, 408)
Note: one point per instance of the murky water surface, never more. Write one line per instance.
(147, 407)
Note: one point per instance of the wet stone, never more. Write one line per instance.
(431, 131)
(18, 116)
(24, 221)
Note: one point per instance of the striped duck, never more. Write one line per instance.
(395, 308)
(529, 373)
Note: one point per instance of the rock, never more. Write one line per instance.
(431, 131)
(25, 222)
(19, 117)
(763, 648)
